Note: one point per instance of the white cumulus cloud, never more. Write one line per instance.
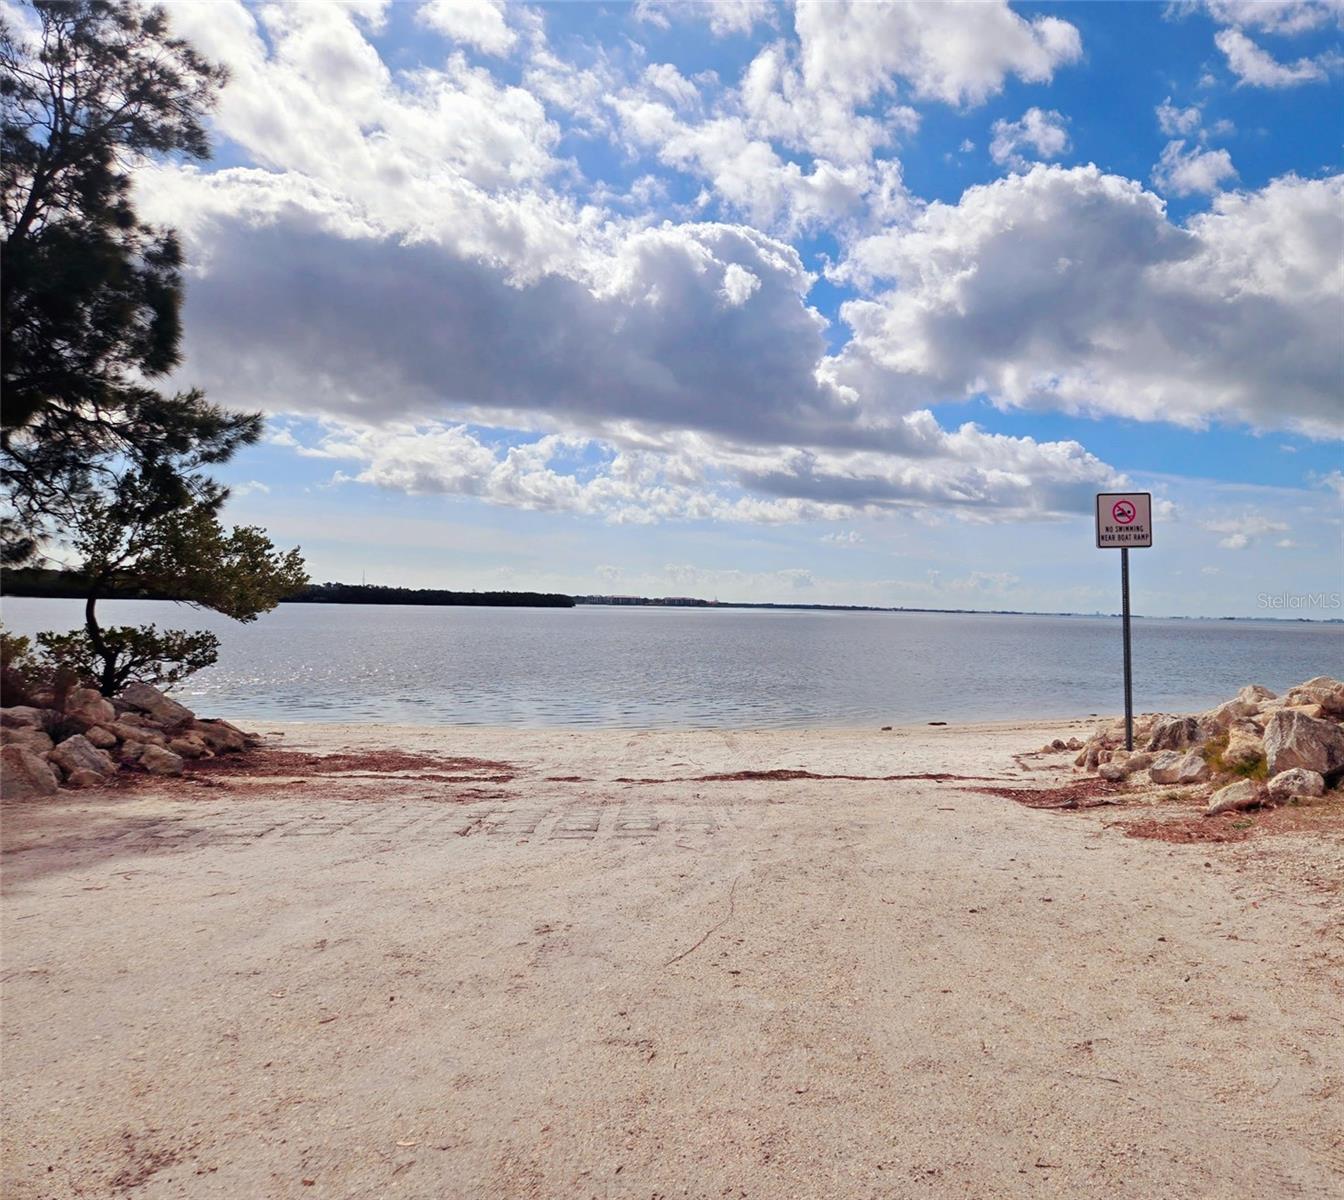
(1042, 131)
(1277, 16)
(1256, 67)
(1241, 532)
(1071, 289)
(738, 284)
(1175, 121)
(412, 257)
(477, 23)
(1182, 172)
(959, 54)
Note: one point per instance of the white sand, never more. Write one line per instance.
(443, 984)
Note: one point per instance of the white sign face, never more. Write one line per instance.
(1124, 519)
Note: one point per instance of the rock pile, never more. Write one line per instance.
(1256, 749)
(92, 738)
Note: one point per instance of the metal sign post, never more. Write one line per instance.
(1129, 686)
(1125, 522)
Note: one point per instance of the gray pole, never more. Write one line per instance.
(1129, 692)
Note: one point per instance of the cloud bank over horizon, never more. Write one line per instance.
(744, 263)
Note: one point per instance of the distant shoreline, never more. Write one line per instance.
(67, 585)
(60, 585)
(641, 602)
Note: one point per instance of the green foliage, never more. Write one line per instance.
(91, 304)
(1257, 769)
(90, 296)
(1213, 751)
(127, 652)
(27, 677)
(18, 669)
(15, 651)
(139, 535)
(106, 85)
(134, 537)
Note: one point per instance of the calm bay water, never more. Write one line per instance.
(643, 667)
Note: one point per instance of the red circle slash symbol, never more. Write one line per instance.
(1123, 512)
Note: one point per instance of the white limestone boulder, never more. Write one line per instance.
(86, 707)
(1293, 739)
(1174, 733)
(1295, 782)
(147, 699)
(1236, 797)
(24, 716)
(1244, 747)
(101, 736)
(29, 738)
(159, 761)
(79, 754)
(1176, 767)
(25, 775)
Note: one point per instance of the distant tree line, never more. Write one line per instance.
(370, 593)
(40, 581)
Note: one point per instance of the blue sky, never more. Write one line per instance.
(839, 304)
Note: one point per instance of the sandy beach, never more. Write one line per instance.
(472, 962)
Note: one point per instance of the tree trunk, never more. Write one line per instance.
(107, 682)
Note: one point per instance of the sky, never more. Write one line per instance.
(817, 303)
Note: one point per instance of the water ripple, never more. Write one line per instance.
(714, 668)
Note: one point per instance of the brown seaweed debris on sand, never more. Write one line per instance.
(1187, 831)
(784, 775)
(1321, 817)
(788, 775)
(374, 762)
(1084, 793)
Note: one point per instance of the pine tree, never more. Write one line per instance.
(91, 294)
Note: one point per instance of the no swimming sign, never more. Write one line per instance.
(1124, 520)
(1124, 523)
